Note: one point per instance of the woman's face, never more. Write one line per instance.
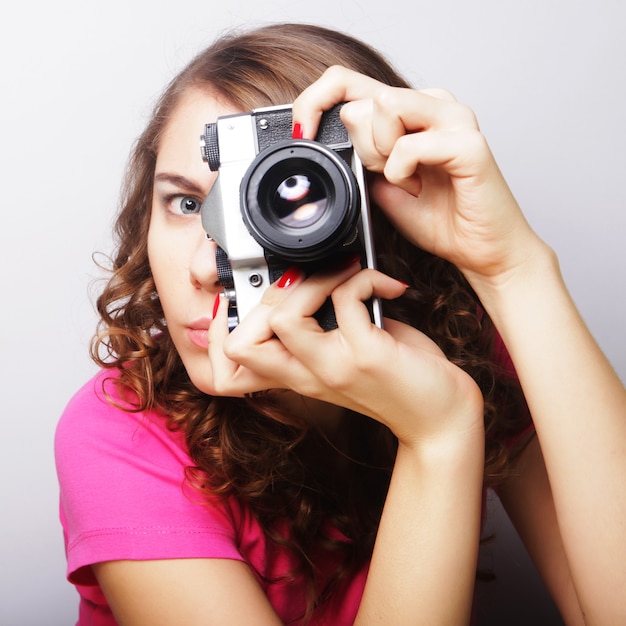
(181, 258)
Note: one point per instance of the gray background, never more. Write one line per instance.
(546, 79)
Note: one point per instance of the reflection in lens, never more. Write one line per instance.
(299, 201)
(294, 188)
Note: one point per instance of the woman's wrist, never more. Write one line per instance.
(538, 268)
(457, 437)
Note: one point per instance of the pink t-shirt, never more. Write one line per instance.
(124, 496)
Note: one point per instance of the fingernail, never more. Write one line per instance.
(289, 277)
(297, 132)
(216, 305)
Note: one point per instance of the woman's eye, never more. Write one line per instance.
(188, 205)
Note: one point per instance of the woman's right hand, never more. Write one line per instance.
(397, 376)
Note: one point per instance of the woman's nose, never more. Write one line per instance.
(202, 266)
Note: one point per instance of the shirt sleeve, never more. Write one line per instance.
(123, 492)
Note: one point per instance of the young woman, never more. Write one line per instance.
(283, 474)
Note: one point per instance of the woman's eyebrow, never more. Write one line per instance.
(179, 181)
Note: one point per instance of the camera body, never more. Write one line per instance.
(279, 201)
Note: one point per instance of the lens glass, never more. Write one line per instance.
(299, 200)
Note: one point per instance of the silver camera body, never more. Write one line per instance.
(279, 201)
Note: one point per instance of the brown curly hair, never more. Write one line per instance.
(247, 447)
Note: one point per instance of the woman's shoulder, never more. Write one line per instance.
(100, 403)
(98, 394)
(99, 425)
(124, 487)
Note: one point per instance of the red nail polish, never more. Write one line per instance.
(216, 305)
(297, 131)
(289, 277)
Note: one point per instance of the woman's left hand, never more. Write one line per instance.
(435, 176)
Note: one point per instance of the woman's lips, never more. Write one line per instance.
(198, 333)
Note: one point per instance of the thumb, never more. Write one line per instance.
(397, 204)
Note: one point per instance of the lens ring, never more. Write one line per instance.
(300, 228)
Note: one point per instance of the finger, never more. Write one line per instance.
(461, 154)
(441, 94)
(255, 328)
(425, 109)
(444, 94)
(375, 125)
(265, 365)
(399, 205)
(229, 377)
(277, 292)
(303, 302)
(416, 109)
(337, 84)
(250, 358)
(353, 317)
(357, 118)
(254, 345)
(303, 337)
(387, 123)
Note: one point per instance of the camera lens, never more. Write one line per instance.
(299, 199)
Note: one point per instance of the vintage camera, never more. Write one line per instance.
(279, 201)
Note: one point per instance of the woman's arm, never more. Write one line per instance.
(578, 405)
(424, 562)
(193, 592)
(437, 181)
(527, 499)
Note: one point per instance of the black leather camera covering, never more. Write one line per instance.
(275, 126)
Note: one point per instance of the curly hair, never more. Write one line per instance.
(249, 448)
